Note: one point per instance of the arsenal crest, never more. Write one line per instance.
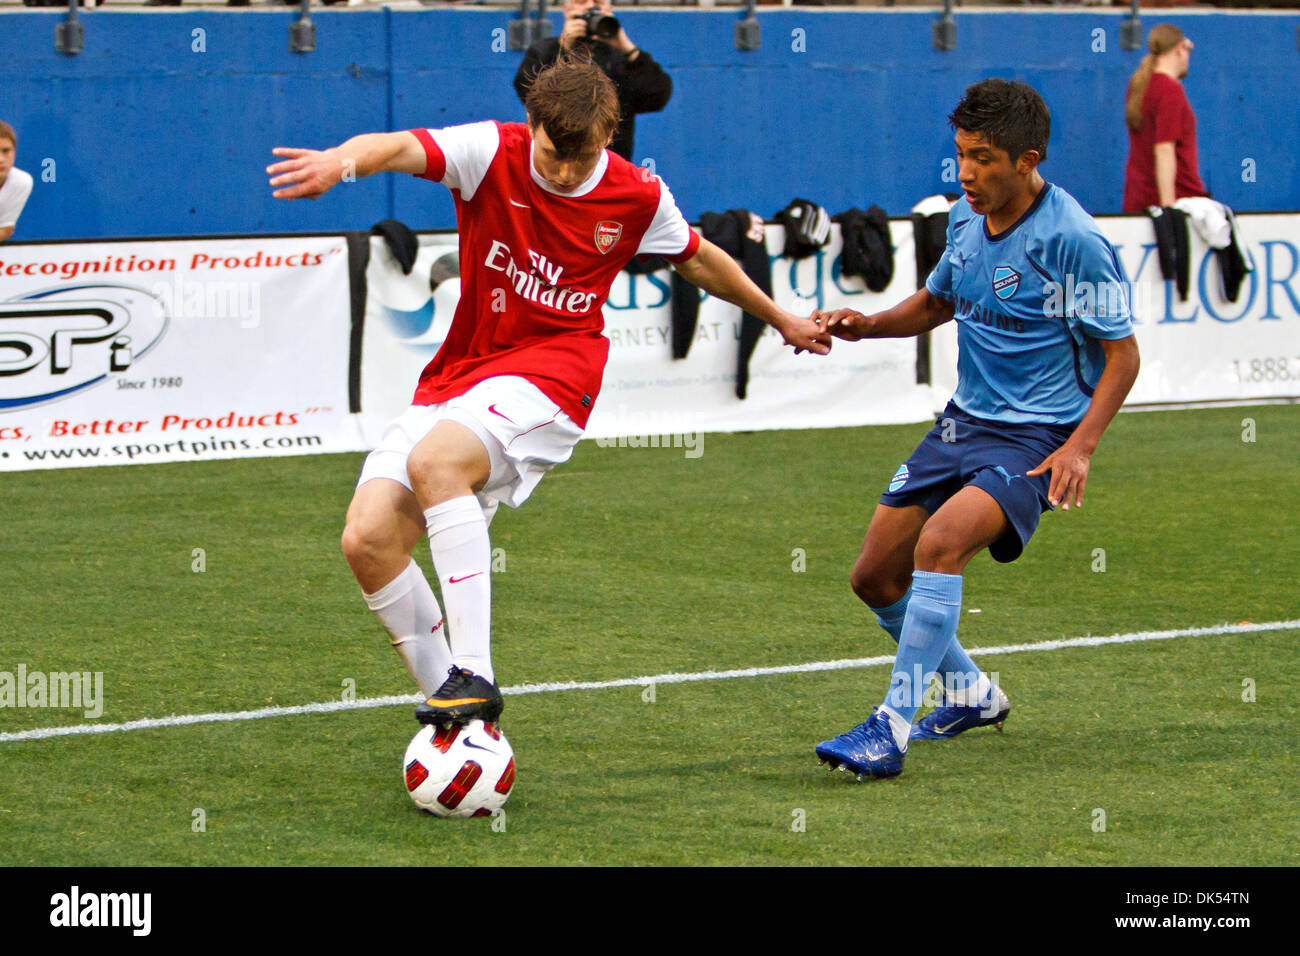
(607, 234)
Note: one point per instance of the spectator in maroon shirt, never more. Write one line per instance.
(1161, 125)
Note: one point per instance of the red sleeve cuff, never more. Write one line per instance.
(435, 163)
(692, 247)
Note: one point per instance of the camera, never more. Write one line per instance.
(601, 26)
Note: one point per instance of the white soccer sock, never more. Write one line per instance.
(410, 613)
(462, 555)
(901, 729)
(973, 695)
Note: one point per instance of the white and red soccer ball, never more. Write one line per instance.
(459, 771)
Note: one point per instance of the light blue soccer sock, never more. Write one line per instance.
(929, 627)
(956, 670)
(891, 618)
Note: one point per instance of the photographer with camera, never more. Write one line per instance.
(641, 83)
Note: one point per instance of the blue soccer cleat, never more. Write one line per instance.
(948, 720)
(867, 750)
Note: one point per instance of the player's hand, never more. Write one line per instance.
(1069, 467)
(805, 335)
(307, 173)
(841, 323)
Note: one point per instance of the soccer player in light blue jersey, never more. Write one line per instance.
(1046, 358)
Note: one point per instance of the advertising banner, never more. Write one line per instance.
(176, 350)
(1208, 348)
(648, 392)
(147, 351)
(1205, 348)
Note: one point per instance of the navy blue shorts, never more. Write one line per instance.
(963, 450)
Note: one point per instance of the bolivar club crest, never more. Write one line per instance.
(1005, 282)
(607, 235)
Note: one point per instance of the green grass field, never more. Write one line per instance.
(630, 562)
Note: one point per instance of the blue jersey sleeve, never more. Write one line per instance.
(1100, 304)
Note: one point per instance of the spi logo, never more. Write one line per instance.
(61, 341)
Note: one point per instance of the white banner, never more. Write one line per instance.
(646, 391)
(173, 350)
(1205, 349)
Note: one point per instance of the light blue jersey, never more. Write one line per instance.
(1031, 304)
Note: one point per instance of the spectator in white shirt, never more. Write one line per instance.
(15, 184)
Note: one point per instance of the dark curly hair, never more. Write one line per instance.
(1011, 115)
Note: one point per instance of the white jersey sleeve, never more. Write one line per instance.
(467, 152)
(668, 234)
(13, 196)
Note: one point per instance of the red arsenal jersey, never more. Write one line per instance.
(536, 264)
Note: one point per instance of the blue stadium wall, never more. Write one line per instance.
(143, 134)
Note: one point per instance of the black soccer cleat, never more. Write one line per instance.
(463, 696)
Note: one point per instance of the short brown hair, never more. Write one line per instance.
(7, 132)
(576, 103)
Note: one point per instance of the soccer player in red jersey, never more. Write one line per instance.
(547, 217)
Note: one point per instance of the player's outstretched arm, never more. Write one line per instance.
(1069, 463)
(310, 173)
(718, 274)
(917, 313)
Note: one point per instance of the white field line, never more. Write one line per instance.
(327, 707)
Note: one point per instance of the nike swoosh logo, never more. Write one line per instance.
(469, 743)
(455, 703)
(465, 578)
(493, 409)
(519, 204)
(944, 730)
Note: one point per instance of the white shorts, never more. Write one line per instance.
(525, 434)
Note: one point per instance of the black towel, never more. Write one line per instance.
(400, 240)
(737, 232)
(1171, 246)
(868, 247)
